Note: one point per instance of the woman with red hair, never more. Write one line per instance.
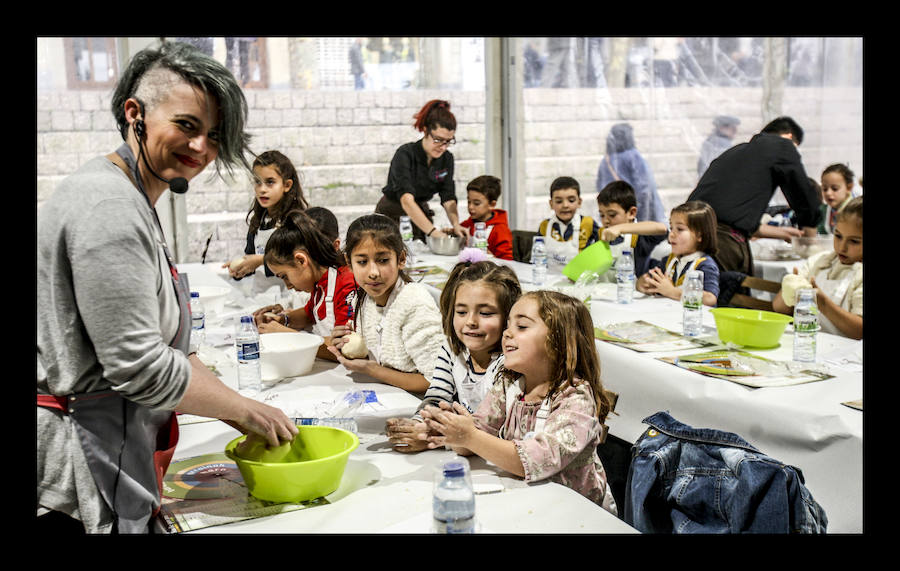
(421, 169)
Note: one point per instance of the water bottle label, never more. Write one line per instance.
(248, 351)
(455, 525)
(348, 424)
(464, 525)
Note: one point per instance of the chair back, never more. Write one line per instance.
(522, 240)
(734, 291)
(613, 399)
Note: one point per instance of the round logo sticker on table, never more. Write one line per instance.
(202, 478)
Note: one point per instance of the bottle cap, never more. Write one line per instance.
(195, 294)
(806, 293)
(454, 469)
(246, 319)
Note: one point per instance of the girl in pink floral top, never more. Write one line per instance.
(543, 418)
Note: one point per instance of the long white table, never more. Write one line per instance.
(803, 425)
(382, 491)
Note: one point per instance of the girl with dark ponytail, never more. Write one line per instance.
(301, 255)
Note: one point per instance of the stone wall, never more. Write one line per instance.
(342, 143)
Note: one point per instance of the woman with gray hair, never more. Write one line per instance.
(113, 362)
(624, 162)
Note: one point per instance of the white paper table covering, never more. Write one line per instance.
(384, 491)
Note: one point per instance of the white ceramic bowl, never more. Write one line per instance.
(212, 297)
(284, 355)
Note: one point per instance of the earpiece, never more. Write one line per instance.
(178, 185)
(140, 129)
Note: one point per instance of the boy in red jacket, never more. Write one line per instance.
(483, 192)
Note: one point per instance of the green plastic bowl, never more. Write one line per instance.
(313, 469)
(750, 327)
(595, 258)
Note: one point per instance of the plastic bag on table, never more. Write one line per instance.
(585, 284)
(347, 405)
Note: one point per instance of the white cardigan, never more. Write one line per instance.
(406, 333)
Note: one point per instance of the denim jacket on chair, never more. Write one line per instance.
(701, 480)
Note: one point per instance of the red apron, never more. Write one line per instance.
(119, 436)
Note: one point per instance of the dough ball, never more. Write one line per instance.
(251, 448)
(254, 447)
(789, 286)
(235, 263)
(355, 347)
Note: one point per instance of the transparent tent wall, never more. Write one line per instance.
(304, 101)
(670, 90)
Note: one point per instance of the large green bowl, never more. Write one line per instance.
(750, 327)
(313, 468)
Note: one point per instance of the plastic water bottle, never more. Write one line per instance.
(692, 302)
(806, 323)
(347, 423)
(406, 232)
(539, 261)
(198, 322)
(481, 237)
(453, 502)
(625, 277)
(246, 341)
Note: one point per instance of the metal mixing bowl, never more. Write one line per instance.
(806, 246)
(446, 246)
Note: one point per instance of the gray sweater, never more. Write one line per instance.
(106, 313)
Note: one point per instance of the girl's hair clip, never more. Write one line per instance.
(472, 255)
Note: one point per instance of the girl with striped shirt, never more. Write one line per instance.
(475, 304)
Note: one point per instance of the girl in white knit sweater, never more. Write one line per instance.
(398, 320)
(475, 303)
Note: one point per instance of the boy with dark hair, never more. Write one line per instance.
(482, 194)
(618, 209)
(567, 232)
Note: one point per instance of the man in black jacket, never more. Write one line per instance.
(740, 183)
